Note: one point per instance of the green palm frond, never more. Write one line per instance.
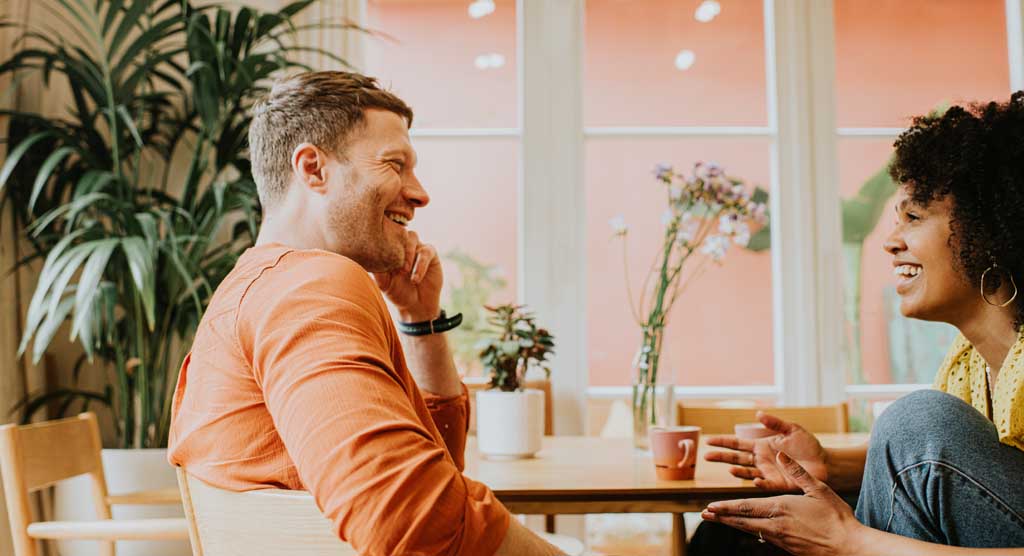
(130, 257)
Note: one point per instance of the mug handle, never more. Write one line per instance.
(686, 445)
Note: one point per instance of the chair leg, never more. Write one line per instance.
(549, 523)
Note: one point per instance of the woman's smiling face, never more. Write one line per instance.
(929, 282)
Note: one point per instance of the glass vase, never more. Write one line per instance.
(653, 406)
(653, 403)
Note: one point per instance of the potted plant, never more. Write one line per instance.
(510, 418)
(131, 254)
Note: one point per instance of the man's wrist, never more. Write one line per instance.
(442, 323)
(419, 315)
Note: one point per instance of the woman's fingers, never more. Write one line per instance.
(749, 473)
(732, 443)
(750, 525)
(764, 508)
(807, 482)
(735, 458)
(774, 423)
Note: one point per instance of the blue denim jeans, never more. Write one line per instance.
(937, 472)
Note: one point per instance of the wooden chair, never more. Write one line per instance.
(36, 456)
(721, 420)
(225, 523)
(272, 521)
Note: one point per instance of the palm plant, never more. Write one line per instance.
(130, 255)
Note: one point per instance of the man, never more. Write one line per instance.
(297, 378)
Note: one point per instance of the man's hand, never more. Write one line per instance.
(757, 459)
(415, 289)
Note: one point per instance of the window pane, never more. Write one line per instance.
(725, 306)
(471, 220)
(899, 58)
(655, 63)
(454, 69)
(892, 349)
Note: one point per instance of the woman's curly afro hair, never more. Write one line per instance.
(975, 155)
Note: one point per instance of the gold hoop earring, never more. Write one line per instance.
(1012, 283)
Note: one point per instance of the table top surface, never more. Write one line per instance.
(574, 465)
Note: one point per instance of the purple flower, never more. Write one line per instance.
(663, 172)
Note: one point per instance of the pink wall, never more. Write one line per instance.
(899, 58)
(430, 60)
(895, 59)
(630, 74)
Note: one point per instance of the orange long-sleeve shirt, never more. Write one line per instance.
(296, 379)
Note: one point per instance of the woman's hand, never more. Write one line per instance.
(817, 523)
(757, 459)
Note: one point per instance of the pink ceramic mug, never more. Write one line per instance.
(753, 431)
(675, 451)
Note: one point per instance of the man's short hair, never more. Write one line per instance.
(323, 108)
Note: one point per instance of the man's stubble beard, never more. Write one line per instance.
(352, 228)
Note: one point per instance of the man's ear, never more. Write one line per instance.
(309, 165)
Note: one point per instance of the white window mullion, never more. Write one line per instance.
(691, 392)
(552, 240)
(828, 206)
(806, 232)
(464, 133)
(882, 390)
(870, 132)
(677, 131)
(1015, 38)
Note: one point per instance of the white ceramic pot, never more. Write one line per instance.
(126, 471)
(509, 425)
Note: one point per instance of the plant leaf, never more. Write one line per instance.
(14, 156)
(140, 263)
(88, 284)
(55, 262)
(128, 121)
(49, 327)
(128, 22)
(45, 171)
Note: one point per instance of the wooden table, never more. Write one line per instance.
(585, 475)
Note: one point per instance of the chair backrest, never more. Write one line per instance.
(36, 456)
(272, 521)
(721, 420)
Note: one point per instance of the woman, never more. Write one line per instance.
(944, 467)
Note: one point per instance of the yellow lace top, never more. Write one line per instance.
(963, 375)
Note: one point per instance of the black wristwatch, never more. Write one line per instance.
(442, 323)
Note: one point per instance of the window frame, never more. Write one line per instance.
(808, 340)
